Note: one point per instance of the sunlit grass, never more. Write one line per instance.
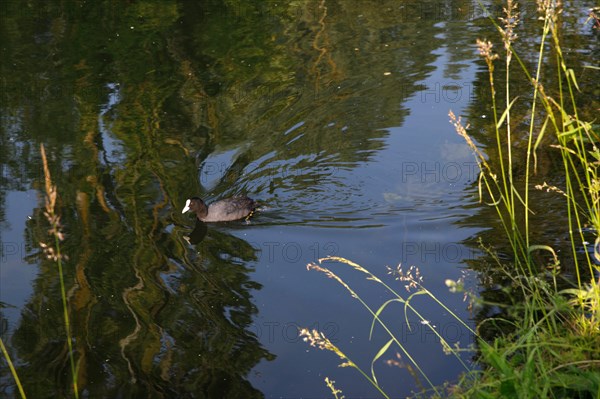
(553, 346)
(337, 393)
(413, 283)
(13, 372)
(52, 252)
(554, 349)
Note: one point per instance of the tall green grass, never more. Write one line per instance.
(52, 252)
(13, 371)
(552, 348)
(413, 283)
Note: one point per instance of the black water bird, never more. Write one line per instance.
(225, 210)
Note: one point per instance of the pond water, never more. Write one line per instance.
(332, 115)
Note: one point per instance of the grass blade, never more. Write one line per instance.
(12, 369)
(383, 349)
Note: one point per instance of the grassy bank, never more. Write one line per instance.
(553, 347)
(547, 341)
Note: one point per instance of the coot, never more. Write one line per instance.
(225, 210)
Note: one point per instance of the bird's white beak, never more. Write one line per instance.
(186, 207)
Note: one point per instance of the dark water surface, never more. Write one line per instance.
(333, 115)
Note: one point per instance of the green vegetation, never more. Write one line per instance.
(53, 252)
(413, 282)
(553, 348)
(546, 342)
(13, 372)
